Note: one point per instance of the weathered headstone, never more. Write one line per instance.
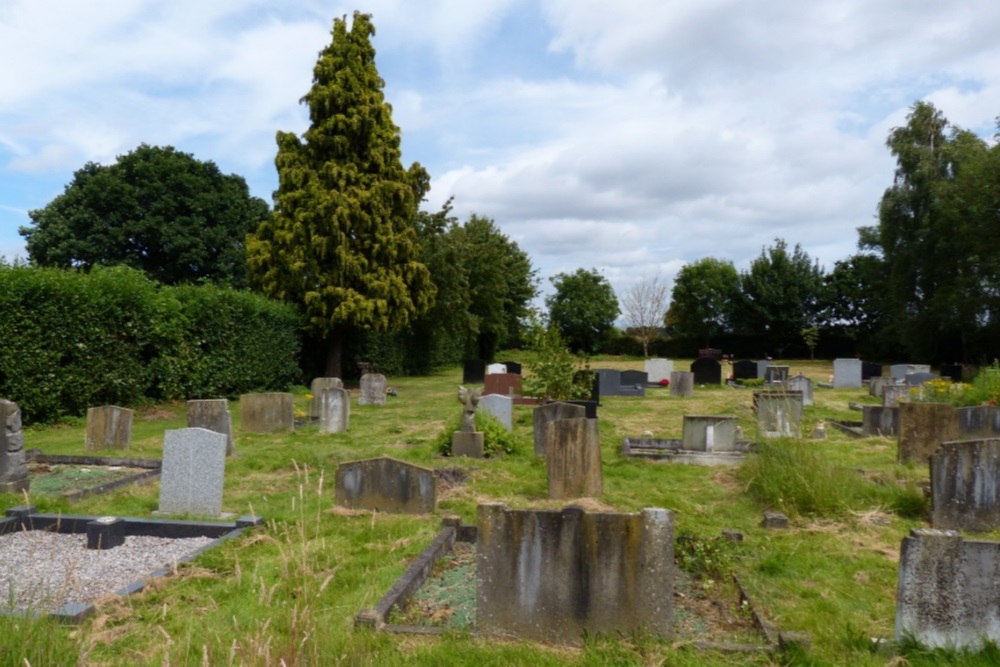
(775, 374)
(13, 465)
(706, 371)
(387, 485)
(109, 427)
(473, 371)
(373, 386)
(879, 420)
(802, 384)
(658, 370)
(779, 413)
(193, 472)
(682, 383)
(573, 459)
(965, 494)
(982, 421)
(213, 414)
(846, 373)
(501, 407)
(316, 388)
(334, 409)
(922, 429)
(553, 576)
(745, 370)
(709, 433)
(495, 368)
(268, 412)
(505, 384)
(544, 415)
(892, 394)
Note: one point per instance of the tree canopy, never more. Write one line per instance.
(158, 210)
(703, 299)
(583, 309)
(342, 241)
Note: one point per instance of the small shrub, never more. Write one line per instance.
(496, 439)
(705, 557)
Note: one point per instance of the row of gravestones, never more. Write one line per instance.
(852, 373)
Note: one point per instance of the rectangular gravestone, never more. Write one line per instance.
(775, 374)
(193, 472)
(387, 485)
(373, 386)
(779, 413)
(316, 387)
(804, 385)
(633, 383)
(501, 407)
(268, 412)
(505, 384)
(334, 409)
(878, 420)
(658, 370)
(573, 459)
(762, 365)
(877, 385)
(900, 371)
(109, 427)
(495, 368)
(473, 371)
(922, 429)
(213, 414)
(609, 380)
(554, 576)
(544, 415)
(870, 370)
(745, 370)
(709, 433)
(512, 367)
(682, 383)
(706, 371)
(919, 378)
(13, 464)
(980, 421)
(965, 494)
(846, 373)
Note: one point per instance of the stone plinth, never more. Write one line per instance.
(213, 414)
(573, 459)
(682, 383)
(922, 429)
(109, 427)
(709, 433)
(267, 412)
(373, 386)
(316, 388)
(193, 472)
(387, 485)
(544, 415)
(468, 443)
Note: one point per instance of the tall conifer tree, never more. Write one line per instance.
(341, 241)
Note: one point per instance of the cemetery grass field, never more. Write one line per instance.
(288, 592)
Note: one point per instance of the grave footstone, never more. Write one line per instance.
(386, 484)
(213, 414)
(373, 386)
(964, 490)
(473, 371)
(573, 459)
(13, 465)
(846, 373)
(658, 370)
(682, 384)
(267, 412)
(501, 407)
(334, 410)
(193, 472)
(706, 371)
(709, 433)
(745, 370)
(804, 385)
(109, 427)
(922, 429)
(544, 415)
(316, 387)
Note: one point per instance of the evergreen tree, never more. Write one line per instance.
(341, 241)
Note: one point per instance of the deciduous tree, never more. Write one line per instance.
(583, 309)
(703, 299)
(644, 307)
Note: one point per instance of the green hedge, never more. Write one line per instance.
(71, 340)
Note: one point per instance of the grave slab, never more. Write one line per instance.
(193, 472)
(109, 427)
(387, 485)
(846, 373)
(334, 409)
(267, 412)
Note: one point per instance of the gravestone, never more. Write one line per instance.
(658, 370)
(775, 374)
(953, 371)
(13, 465)
(745, 370)
(467, 441)
(846, 373)
(804, 385)
(544, 415)
(213, 414)
(373, 386)
(609, 380)
(779, 413)
(762, 365)
(892, 394)
(900, 371)
(501, 407)
(334, 409)
(512, 366)
(573, 459)
(505, 384)
(981, 421)
(710, 353)
(706, 371)
(267, 412)
(709, 433)
(877, 385)
(682, 384)
(633, 383)
(919, 378)
(109, 427)
(554, 576)
(870, 370)
(964, 490)
(316, 388)
(387, 485)
(878, 420)
(193, 472)
(922, 429)
(473, 371)
(495, 368)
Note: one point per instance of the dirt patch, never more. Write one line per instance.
(59, 478)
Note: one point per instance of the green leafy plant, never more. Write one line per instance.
(496, 439)
(553, 371)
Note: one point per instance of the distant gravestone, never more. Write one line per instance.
(706, 371)
(870, 370)
(213, 414)
(919, 378)
(804, 385)
(334, 409)
(745, 370)
(109, 427)
(953, 371)
(876, 385)
(709, 433)
(505, 384)
(682, 383)
(544, 415)
(473, 371)
(846, 373)
(193, 472)
(964, 490)
(892, 394)
(316, 388)
(762, 367)
(633, 383)
(922, 429)
(775, 374)
(467, 441)
(13, 465)
(512, 366)
(900, 371)
(573, 459)
(387, 485)
(609, 380)
(501, 407)
(373, 386)
(267, 412)
(658, 370)
(981, 421)
(495, 368)
(878, 420)
(779, 413)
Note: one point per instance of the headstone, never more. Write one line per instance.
(681, 383)
(922, 429)
(193, 472)
(13, 465)
(878, 420)
(965, 494)
(589, 407)
(980, 421)
(801, 383)
(710, 353)
(544, 415)
(870, 370)
(505, 384)
(779, 413)
(919, 378)
(706, 371)
(213, 414)
(633, 383)
(953, 371)
(473, 371)
(373, 386)
(900, 371)
(109, 427)
(334, 409)
(501, 407)
(316, 388)
(658, 370)
(554, 576)
(876, 385)
(892, 394)
(846, 373)
(709, 433)
(745, 370)
(762, 367)
(267, 413)
(467, 441)
(609, 381)
(495, 368)
(387, 485)
(573, 459)
(775, 374)
(512, 367)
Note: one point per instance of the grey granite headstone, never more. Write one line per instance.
(13, 466)
(193, 472)
(334, 409)
(762, 367)
(846, 373)
(373, 386)
(108, 427)
(316, 388)
(501, 407)
(213, 414)
(658, 369)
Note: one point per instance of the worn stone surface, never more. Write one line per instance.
(682, 384)
(471, 444)
(774, 520)
(965, 486)
(893, 394)
(316, 388)
(109, 427)
(922, 429)
(846, 373)
(544, 415)
(779, 413)
(573, 459)
(877, 384)
(504, 384)
(387, 485)
(709, 433)
(213, 414)
(552, 576)
(980, 420)
(501, 407)
(706, 371)
(803, 385)
(193, 472)
(658, 369)
(373, 386)
(13, 465)
(267, 412)
(879, 420)
(334, 409)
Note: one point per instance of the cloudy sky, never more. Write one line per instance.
(631, 136)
